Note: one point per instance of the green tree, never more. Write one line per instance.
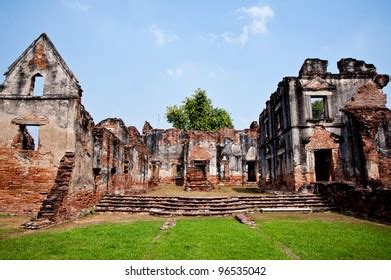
(198, 113)
(318, 109)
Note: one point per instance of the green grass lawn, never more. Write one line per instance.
(288, 237)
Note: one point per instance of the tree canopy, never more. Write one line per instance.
(198, 113)
(318, 110)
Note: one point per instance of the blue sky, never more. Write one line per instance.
(134, 58)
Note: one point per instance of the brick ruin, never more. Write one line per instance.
(56, 163)
(324, 127)
(224, 157)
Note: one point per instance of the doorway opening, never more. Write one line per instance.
(251, 175)
(179, 175)
(201, 165)
(155, 170)
(323, 165)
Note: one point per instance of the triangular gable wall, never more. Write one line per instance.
(40, 59)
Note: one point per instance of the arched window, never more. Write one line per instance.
(37, 83)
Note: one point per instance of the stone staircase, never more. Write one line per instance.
(51, 205)
(196, 180)
(209, 206)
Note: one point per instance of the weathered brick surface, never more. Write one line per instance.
(321, 139)
(121, 159)
(43, 175)
(26, 177)
(196, 180)
(364, 203)
(367, 96)
(77, 203)
(52, 204)
(198, 153)
(353, 127)
(224, 153)
(368, 112)
(76, 161)
(39, 60)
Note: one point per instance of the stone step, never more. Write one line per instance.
(38, 224)
(209, 200)
(214, 213)
(219, 205)
(44, 214)
(286, 209)
(55, 197)
(180, 212)
(196, 201)
(175, 208)
(212, 197)
(212, 206)
(216, 209)
(196, 213)
(200, 204)
(206, 198)
(296, 209)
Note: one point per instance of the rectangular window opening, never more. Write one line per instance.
(318, 108)
(37, 84)
(30, 137)
(278, 119)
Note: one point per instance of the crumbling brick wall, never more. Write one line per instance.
(120, 157)
(111, 136)
(82, 193)
(371, 204)
(290, 140)
(225, 155)
(26, 179)
(166, 148)
(369, 121)
(32, 173)
(74, 162)
(27, 174)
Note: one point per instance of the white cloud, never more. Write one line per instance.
(212, 36)
(76, 5)
(174, 72)
(162, 37)
(240, 39)
(256, 17)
